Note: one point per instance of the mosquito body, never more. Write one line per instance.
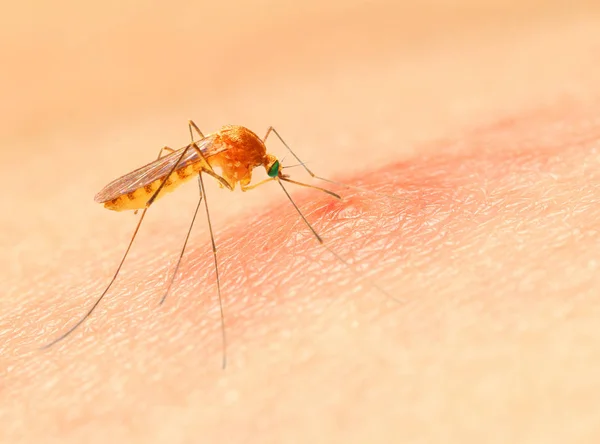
(236, 151)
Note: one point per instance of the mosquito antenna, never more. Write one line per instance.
(335, 182)
(282, 160)
(214, 249)
(91, 310)
(182, 249)
(292, 166)
(320, 239)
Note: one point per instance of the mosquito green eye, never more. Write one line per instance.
(274, 170)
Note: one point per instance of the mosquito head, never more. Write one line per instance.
(272, 165)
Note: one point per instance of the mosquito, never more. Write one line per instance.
(236, 150)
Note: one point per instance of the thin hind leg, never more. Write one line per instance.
(187, 237)
(93, 307)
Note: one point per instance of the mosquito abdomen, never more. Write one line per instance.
(137, 199)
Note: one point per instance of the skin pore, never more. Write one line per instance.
(484, 128)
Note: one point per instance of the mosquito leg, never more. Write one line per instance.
(345, 185)
(212, 238)
(160, 154)
(91, 310)
(208, 169)
(175, 165)
(319, 238)
(189, 230)
(273, 130)
(165, 148)
(214, 249)
(183, 248)
(328, 248)
(226, 184)
(191, 125)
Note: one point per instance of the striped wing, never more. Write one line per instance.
(158, 169)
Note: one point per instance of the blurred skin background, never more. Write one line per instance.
(481, 116)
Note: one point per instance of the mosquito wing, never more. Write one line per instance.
(159, 169)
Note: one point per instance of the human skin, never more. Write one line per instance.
(482, 128)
